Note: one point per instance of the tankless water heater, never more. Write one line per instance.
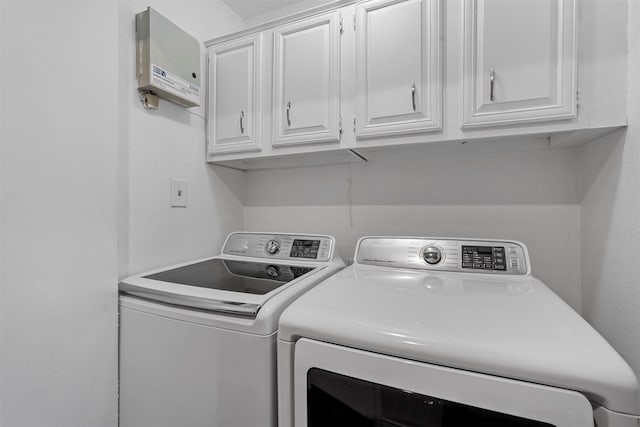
(167, 60)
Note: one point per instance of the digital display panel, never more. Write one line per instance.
(305, 249)
(484, 258)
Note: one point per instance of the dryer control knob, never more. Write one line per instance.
(272, 247)
(432, 255)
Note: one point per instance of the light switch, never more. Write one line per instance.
(178, 193)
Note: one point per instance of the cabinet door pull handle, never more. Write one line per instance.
(413, 95)
(289, 113)
(492, 78)
(242, 122)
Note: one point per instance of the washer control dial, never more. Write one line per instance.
(432, 255)
(272, 247)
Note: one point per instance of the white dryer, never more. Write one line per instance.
(442, 333)
(198, 340)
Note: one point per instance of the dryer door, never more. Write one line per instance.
(336, 386)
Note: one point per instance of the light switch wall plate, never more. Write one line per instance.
(178, 193)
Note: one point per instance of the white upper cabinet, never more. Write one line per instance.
(398, 78)
(352, 80)
(519, 61)
(234, 96)
(306, 105)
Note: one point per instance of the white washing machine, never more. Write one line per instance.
(198, 340)
(443, 333)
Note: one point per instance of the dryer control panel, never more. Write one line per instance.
(290, 247)
(441, 254)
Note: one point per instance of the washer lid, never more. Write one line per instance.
(232, 275)
(510, 326)
(226, 285)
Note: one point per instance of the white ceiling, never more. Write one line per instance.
(251, 8)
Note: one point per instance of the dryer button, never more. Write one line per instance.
(432, 255)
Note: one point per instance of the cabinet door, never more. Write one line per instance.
(234, 95)
(398, 65)
(306, 105)
(519, 61)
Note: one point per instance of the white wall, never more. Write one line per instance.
(158, 145)
(611, 222)
(84, 186)
(58, 292)
(475, 191)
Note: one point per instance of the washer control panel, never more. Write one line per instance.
(471, 256)
(300, 247)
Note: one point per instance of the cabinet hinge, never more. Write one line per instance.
(354, 22)
(577, 98)
(354, 124)
(340, 126)
(341, 24)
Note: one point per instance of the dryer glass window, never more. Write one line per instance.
(338, 400)
(237, 276)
